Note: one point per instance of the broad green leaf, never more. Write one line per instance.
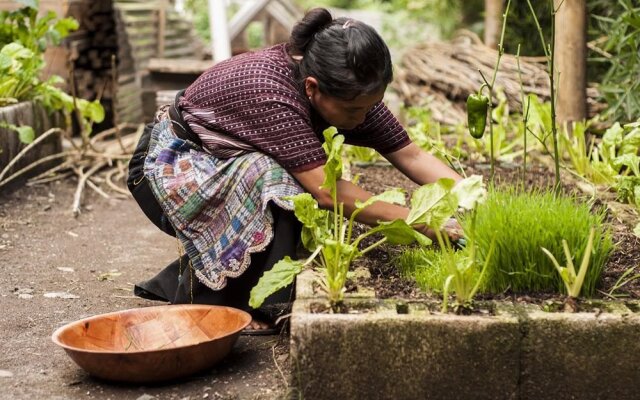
(278, 277)
(16, 51)
(306, 209)
(394, 196)
(613, 136)
(630, 161)
(433, 204)
(630, 142)
(26, 134)
(5, 62)
(470, 192)
(92, 110)
(66, 25)
(399, 232)
(333, 168)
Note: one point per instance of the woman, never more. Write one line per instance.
(214, 168)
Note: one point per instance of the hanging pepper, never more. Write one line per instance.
(477, 105)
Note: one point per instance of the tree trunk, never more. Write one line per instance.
(571, 60)
(493, 10)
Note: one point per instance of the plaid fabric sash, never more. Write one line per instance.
(218, 207)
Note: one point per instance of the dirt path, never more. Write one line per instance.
(96, 258)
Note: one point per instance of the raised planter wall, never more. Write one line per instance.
(520, 352)
(27, 113)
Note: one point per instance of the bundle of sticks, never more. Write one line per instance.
(99, 162)
(440, 75)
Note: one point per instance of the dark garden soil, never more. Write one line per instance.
(387, 282)
(56, 269)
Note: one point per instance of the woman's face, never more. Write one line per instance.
(343, 114)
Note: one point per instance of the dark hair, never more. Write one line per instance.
(347, 57)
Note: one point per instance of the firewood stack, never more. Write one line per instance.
(95, 49)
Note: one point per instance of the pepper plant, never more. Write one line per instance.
(328, 235)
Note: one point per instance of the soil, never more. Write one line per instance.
(94, 260)
(388, 282)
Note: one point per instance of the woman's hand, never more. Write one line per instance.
(451, 228)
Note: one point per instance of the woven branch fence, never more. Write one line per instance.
(440, 76)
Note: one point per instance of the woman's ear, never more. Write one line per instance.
(310, 86)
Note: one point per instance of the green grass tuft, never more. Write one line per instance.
(523, 223)
(426, 266)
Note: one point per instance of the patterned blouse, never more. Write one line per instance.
(255, 98)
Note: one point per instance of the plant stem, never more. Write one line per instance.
(554, 127)
(490, 87)
(525, 118)
(549, 53)
(373, 246)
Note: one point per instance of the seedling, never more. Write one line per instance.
(462, 274)
(572, 280)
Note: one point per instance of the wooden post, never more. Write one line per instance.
(493, 10)
(219, 30)
(571, 60)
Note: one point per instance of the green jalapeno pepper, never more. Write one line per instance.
(477, 105)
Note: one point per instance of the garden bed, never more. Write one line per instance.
(28, 114)
(393, 342)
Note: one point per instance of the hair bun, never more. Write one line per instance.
(314, 21)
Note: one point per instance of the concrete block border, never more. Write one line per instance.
(400, 350)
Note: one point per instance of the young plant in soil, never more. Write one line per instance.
(433, 205)
(329, 236)
(573, 281)
(463, 276)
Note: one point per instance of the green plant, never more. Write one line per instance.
(425, 265)
(433, 205)
(449, 268)
(616, 159)
(490, 85)
(428, 135)
(327, 234)
(549, 53)
(573, 280)
(623, 280)
(23, 39)
(329, 237)
(360, 155)
(464, 276)
(618, 25)
(521, 223)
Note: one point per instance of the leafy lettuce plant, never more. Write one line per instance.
(328, 235)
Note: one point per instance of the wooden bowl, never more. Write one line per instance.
(152, 344)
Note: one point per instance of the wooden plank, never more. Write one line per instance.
(183, 66)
